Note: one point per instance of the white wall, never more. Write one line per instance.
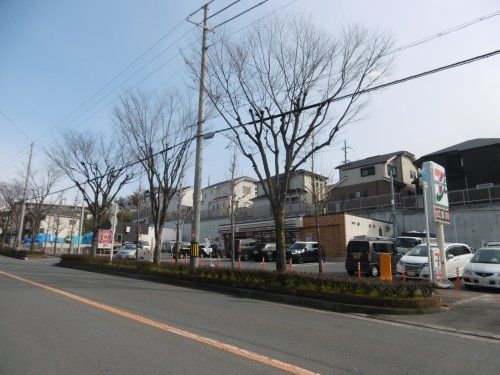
(359, 226)
(354, 175)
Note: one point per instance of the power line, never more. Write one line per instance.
(242, 13)
(223, 9)
(15, 125)
(150, 48)
(211, 134)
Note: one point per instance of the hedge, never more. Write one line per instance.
(21, 254)
(322, 284)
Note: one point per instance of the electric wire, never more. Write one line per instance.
(241, 13)
(208, 135)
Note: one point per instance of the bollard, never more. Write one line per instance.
(458, 283)
(359, 270)
(218, 262)
(202, 261)
(239, 262)
(291, 265)
(263, 264)
(404, 276)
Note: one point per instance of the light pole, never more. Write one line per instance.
(19, 235)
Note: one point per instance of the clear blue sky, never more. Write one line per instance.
(54, 54)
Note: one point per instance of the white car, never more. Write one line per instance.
(416, 264)
(483, 269)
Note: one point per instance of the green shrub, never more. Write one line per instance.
(254, 277)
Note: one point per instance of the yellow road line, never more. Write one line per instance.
(166, 327)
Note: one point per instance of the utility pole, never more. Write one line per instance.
(391, 169)
(20, 227)
(345, 148)
(194, 253)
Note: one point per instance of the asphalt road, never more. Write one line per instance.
(44, 331)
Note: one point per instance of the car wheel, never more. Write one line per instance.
(300, 259)
(373, 271)
(269, 258)
(350, 272)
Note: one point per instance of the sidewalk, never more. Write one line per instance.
(470, 312)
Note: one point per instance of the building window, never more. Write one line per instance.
(351, 195)
(365, 193)
(413, 175)
(368, 171)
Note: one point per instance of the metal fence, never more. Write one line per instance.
(456, 198)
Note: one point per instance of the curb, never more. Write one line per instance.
(264, 295)
(480, 334)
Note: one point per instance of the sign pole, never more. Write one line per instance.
(429, 253)
(113, 230)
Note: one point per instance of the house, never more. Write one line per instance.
(299, 194)
(215, 199)
(469, 164)
(370, 177)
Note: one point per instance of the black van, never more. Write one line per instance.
(367, 253)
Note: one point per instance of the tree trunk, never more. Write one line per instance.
(279, 222)
(320, 248)
(157, 252)
(93, 246)
(175, 251)
(233, 250)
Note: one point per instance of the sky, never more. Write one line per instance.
(56, 54)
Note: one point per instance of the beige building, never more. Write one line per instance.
(299, 195)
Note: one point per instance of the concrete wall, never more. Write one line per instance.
(469, 224)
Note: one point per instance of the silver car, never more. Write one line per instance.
(128, 251)
(483, 269)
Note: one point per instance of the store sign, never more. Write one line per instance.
(435, 176)
(105, 239)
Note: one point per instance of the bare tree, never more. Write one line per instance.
(99, 168)
(179, 216)
(40, 186)
(159, 133)
(231, 207)
(319, 192)
(10, 192)
(281, 83)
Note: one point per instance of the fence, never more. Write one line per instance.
(456, 198)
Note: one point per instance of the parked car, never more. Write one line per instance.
(264, 250)
(304, 251)
(184, 249)
(204, 251)
(416, 265)
(244, 248)
(405, 243)
(367, 254)
(128, 250)
(483, 269)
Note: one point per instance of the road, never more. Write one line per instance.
(62, 321)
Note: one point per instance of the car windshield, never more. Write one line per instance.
(487, 256)
(407, 243)
(419, 251)
(129, 247)
(298, 245)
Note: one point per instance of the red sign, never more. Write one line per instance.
(442, 215)
(105, 240)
